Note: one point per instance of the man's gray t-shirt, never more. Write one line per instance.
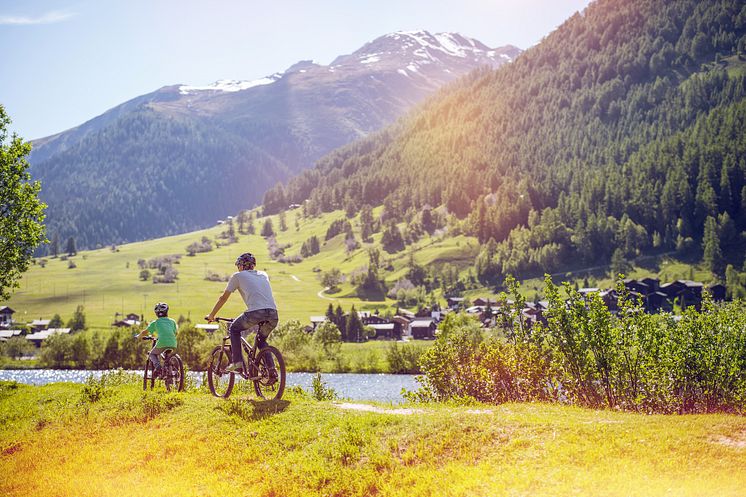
(254, 288)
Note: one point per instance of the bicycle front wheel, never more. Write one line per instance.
(220, 382)
(268, 374)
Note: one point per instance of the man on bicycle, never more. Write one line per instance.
(254, 287)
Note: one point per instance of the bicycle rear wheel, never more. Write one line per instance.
(220, 382)
(175, 371)
(269, 383)
(148, 380)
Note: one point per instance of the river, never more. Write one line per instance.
(352, 386)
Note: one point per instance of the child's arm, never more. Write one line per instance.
(143, 332)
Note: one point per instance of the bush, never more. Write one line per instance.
(587, 356)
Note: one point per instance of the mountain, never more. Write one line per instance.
(183, 156)
(620, 134)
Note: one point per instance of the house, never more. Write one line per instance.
(406, 314)
(657, 302)
(423, 329)
(6, 316)
(652, 283)
(634, 286)
(38, 337)
(718, 292)
(403, 325)
(386, 331)
(317, 321)
(39, 324)
(455, 302)
(208, 327)
(6, 334)
(484, 302)
(371, 319)
(125, 323)
(686, 293)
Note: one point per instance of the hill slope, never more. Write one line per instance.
(183, 156)
(621, 134)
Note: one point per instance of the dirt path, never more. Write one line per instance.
(405, 411)
(322, 296)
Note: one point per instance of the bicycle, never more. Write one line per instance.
(267, 385)
(172, 370)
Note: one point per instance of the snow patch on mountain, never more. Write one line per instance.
(229, 85)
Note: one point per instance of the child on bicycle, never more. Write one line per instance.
(254, 287)
(165, 330)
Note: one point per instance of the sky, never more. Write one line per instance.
(65, 62)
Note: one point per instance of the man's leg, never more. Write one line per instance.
(238, 326)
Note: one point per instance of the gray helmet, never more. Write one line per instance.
(161, 309)
(246, 259)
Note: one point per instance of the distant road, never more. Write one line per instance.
(295, 277)
(322, 296)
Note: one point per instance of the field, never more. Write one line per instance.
(127, 443)
(107, 282)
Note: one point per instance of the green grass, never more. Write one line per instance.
(56, 441)
(107, 282)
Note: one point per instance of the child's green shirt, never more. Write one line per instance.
(165, 329)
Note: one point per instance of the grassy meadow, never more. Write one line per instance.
(107, 281)
(108, 438)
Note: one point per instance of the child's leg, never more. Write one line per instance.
(155, 358)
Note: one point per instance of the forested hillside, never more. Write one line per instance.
(621, 133)
(182, 157)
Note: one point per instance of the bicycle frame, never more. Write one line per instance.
(246, 347)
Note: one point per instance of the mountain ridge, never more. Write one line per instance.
(258, 133)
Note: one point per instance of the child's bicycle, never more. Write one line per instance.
(172, 370)
(269, 381)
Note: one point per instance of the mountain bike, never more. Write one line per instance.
(265, 367)
(172, 370)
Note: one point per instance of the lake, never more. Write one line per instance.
(353, 386)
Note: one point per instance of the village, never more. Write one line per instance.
(653, 296)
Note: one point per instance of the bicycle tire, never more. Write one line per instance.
(264, 386)
(148, 379)
(220, 383)
(176, 370)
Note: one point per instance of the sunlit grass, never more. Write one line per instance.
(55, 443)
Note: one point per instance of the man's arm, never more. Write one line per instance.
(221, 301)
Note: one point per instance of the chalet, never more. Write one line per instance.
(125, 323)
(718, 292)
(423, 329)
(6, 334)
(38, 337)
(479, 301)
(638, 287)
(39, 324)
(386, 331)
(317, 321)
(403, 325)
(6, 316)
(371, 319)
(406, 314)
(652, 283)
(208, 327)
(686, 293)
(657, 302)
(455, 302)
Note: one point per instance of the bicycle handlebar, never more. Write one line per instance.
(221, 319)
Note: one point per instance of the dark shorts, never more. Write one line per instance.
(249, 319)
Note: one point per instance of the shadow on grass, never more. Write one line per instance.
(252, 409)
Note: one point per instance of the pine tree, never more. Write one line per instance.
(713, 255)
(71, 250)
